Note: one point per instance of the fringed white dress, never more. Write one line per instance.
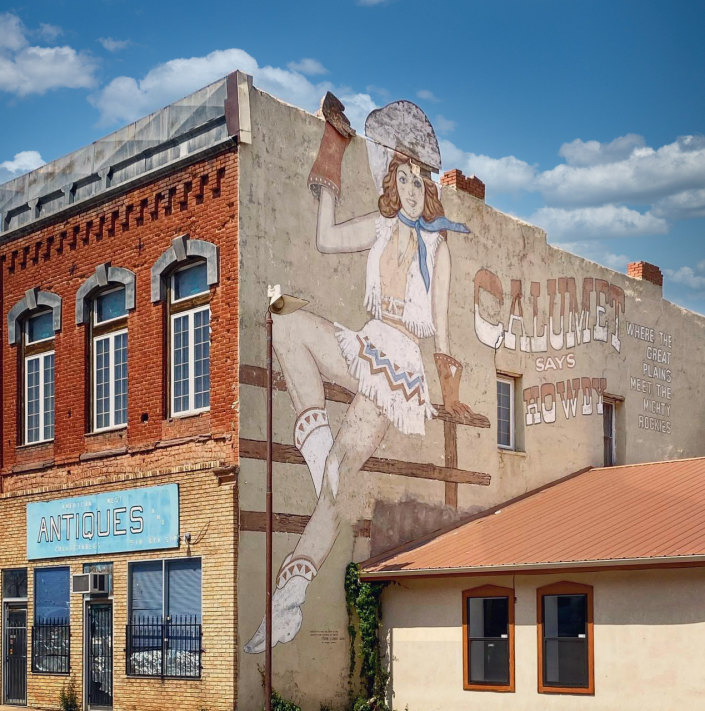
(384, 356)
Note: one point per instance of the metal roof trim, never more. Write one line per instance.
(534, 567)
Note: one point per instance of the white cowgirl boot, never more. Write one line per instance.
(314, 439)
(292, 580)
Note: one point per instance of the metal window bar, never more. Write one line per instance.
(168, 647)
(51, 647)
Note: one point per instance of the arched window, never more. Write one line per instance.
(33, 321)
(183, 275)
(189, 321)
(103, 302)
(109, 356)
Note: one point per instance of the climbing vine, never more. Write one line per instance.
(363, 603)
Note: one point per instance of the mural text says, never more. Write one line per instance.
(556, 319)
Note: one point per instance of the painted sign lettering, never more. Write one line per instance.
(557, 319)
(113, 522)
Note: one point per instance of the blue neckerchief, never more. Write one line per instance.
(436, 225)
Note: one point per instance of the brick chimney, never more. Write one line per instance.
(645, 271)
(456, 179)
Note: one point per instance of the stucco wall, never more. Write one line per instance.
(278, 222)
(648, 627)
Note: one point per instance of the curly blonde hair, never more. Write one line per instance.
(389, 201)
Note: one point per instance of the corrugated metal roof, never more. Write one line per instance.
(627, 515)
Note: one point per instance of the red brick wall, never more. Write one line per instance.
(472, 184)
(130, 231)
(646, 271)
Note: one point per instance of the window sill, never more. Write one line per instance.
(190, 413)
(489, 687)
(29, 446)
(571, 691)
(513, 452)
(106, 431)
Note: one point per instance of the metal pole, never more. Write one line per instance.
(268, 565)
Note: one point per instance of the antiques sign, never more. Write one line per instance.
(112, 522)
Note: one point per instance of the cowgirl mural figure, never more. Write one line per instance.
(406, 295)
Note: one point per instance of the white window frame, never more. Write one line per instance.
(96, 322)
(172, 278)
(111, 335)
(191, 375)
(42, 435)
(26, 330)
(512, 417)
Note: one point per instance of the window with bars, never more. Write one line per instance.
(190, 340)
(164, 633)
(51, 632)
(109, 354)
(38, 378)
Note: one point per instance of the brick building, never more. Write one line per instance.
(448, 360)
(119, 413)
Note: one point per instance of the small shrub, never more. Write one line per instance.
(280, 704)
(68, 696)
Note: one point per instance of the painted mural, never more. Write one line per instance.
(406, 295)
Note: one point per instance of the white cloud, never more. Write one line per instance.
(12, 32)
(686, 205)
(307, 66)
(380, 90)
(444, 125)
(49, 32)
(579, 152)
(26, 69)
(507, 174)
(371, 3)
(688, 276)
(113, 45)
(646, 175)
(595, 252)
(427, 95)
(597, 222)
(23, 162)
(125, 99)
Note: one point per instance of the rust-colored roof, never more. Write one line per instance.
(613, 516)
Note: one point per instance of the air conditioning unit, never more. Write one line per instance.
(90, 584)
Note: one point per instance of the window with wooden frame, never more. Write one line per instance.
(189, 335)
(488, 639)
(109, 359)
(565, 639)
(38, 377)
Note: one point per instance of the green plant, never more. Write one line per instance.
(281, 704)
(68, 696)
(363, 603)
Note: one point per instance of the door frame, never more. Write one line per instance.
(87, 601)
(7, 605)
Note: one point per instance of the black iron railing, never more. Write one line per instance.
(164, 647)
(51, 647)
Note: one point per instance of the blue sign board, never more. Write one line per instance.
(112, 522)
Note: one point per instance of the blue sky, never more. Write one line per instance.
(583, 116)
